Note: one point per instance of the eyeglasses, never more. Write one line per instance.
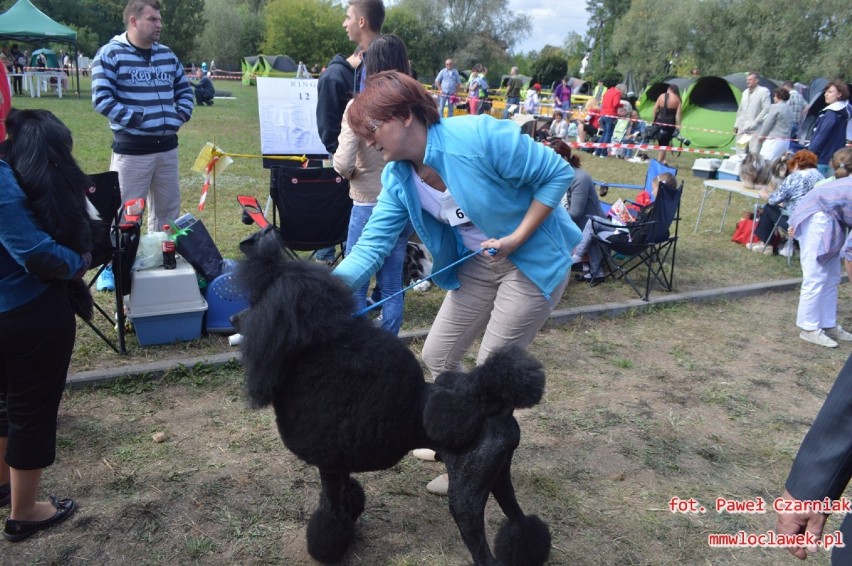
(449, 64)
(374, 125)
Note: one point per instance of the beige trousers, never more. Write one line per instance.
(495, 298)
(153, 177)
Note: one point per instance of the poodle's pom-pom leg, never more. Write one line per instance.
(523, 543)
(353, 499)
(329, 535)
(332, 526)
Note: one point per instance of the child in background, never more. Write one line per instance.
(635, 133)
(621, 130)
(571, 132)
(532, 100)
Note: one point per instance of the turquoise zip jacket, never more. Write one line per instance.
(141, 97)
(494, 172)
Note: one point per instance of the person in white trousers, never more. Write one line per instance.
(820, 224)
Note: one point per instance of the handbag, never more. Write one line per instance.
(198, 248)
(744, 232)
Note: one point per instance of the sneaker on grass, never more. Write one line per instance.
(817, 337)
(838, 333)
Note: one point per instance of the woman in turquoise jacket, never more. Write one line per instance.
(465, 184)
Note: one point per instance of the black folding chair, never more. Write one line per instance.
(116, 246)
(311, 207)
(651, 244)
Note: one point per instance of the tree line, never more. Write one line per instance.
(797, 39)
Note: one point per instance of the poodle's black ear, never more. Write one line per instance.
(452, 418)
(294, 304)
(265, 251)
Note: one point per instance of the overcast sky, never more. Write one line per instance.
(551, 21)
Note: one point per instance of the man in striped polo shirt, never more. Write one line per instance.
(141, 87)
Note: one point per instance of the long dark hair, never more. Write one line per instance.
(39, 152)
(387, 53)
(564, 151)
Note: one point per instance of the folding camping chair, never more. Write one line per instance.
(778, 232)
(655, 169)
(652, 244)
(117, 246)
(311, 208)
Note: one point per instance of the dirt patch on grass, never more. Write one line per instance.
(700, 401)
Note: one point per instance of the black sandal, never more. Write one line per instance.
(19, 530)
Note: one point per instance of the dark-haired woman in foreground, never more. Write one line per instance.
(45, 243)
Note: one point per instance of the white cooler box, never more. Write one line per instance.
(166, 305)
(706, 168)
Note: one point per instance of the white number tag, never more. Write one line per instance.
(451, 211)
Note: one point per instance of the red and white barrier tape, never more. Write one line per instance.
(646, 146)
(690, 128)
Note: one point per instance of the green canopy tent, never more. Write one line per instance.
(25, 23)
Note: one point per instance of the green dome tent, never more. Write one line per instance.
(710, 103)
(49, 56)
(266, 66)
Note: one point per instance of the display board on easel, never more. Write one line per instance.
(287, 109)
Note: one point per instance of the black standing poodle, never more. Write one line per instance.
(350, 397)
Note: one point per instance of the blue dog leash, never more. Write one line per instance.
(368, 308)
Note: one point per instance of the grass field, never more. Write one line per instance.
(704, 260)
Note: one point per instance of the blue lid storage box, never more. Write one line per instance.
(224, 299)
(729, 170)
(165, 305)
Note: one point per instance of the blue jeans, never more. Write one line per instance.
(825, 169)
(608, 125)
(510, 101)
(388, 277)
(326, 254)
(444, 100)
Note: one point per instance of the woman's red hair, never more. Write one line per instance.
(802, 159)
(387, 96)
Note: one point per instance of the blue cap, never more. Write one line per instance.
(204, 66)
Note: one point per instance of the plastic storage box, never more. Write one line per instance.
(729, 170)
(706, 168)
(165, 305)
(224, 299)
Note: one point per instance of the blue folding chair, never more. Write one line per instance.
(651, 244)
(655, 168)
